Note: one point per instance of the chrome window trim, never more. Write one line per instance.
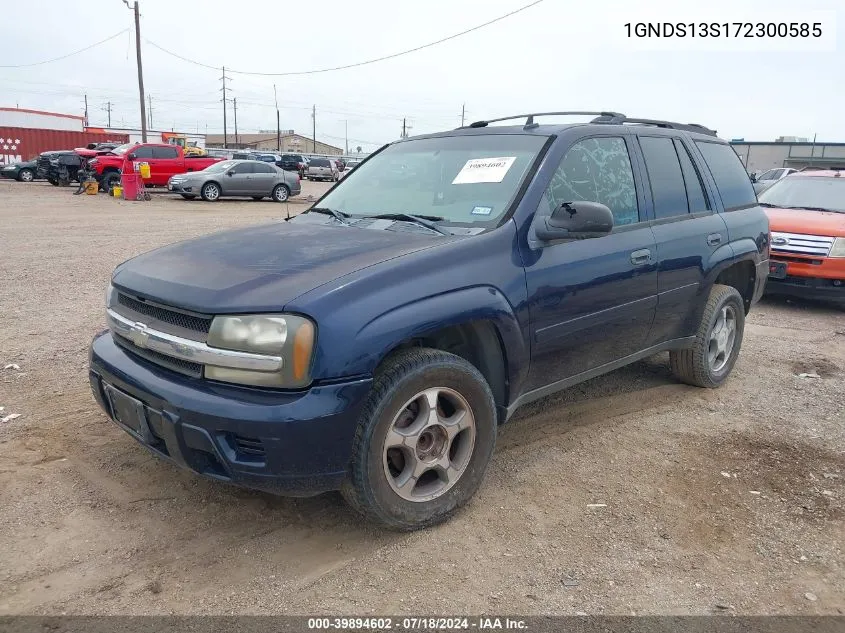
(186, 349)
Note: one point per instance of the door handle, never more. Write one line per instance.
(641, 257)
(714, 238)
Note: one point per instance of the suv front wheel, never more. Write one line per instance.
(423, 441)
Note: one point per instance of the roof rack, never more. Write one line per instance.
(688, 127)
(823, 168)
(611, 118)
(529, 118)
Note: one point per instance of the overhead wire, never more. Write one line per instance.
(346, 66)
(56, 59)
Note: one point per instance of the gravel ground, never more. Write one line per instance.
(724, 501)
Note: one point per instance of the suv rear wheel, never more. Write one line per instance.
(718, 340)
(423, 441)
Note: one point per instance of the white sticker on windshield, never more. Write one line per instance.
(484, 170)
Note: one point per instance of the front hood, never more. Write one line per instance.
(260, 268)
(826, 223)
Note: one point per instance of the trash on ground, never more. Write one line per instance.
(596, 505)
(14, 366)
(10, 417)
(809, 376)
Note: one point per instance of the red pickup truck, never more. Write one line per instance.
(165, 161)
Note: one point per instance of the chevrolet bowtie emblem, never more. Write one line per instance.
(138, 334)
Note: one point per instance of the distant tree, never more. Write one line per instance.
(358, 149)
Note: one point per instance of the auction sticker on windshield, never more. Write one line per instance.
(484, 170)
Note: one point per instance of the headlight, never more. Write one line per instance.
(288, 336)
(838, 248)
(111, 296)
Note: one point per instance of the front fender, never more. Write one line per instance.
(375, 340)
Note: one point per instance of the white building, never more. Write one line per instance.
(40, 120)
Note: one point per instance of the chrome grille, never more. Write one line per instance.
(185, 367)
(801, 244)
(194, 326)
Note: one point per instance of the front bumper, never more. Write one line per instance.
(12, 173)
(294, 444)
(811, 288)
(183, 187)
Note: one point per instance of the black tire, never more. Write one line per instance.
(53, 182)
(693, 365)
(208, 192)
(281, 193)
(26, 175)
(188, 196)
(258, 198)
(367, 488)
(109, 180)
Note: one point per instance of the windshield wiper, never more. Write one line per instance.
(340, 216)
(423, 220)
(767, 204)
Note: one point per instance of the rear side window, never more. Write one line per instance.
(696, 195)
(732, 182)
(664, 174)
(596, 170)
(263, 169)
(165, 152)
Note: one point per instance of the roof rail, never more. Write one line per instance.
(688, 127)
(834, 167)
(529, 118)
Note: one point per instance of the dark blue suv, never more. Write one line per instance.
(374, 343)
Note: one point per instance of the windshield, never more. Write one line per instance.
(226, 164)
(122, 149)
(467, 179)
(821, 192)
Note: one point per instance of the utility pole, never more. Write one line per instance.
(346, 135)
(235, 103)
(140, 68)
(278, 125)
(150, 99)
(225, 131)
(86, 110)
(403, 129)
(463, 113)
(314, 129)
(107, 108)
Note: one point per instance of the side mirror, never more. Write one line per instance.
(231, 172)
(132, 157)
(575, 221)
(753, 177)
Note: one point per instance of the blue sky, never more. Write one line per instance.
(558, 55)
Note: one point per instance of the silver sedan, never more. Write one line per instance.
(247, 178)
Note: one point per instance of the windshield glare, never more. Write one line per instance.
(226, 164)
(468, 179)
(823, 192)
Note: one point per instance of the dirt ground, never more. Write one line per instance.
(726, 501)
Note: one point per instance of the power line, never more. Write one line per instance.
(355, 65)
(56, 59)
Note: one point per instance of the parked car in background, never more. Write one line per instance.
(322, 169)
(766, 179)
(293, 162)
(60, 168)
(374, 343)
(232, 178)
(165, 160)
(25, 171)
(807, 218)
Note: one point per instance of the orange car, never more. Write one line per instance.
(807, 221)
